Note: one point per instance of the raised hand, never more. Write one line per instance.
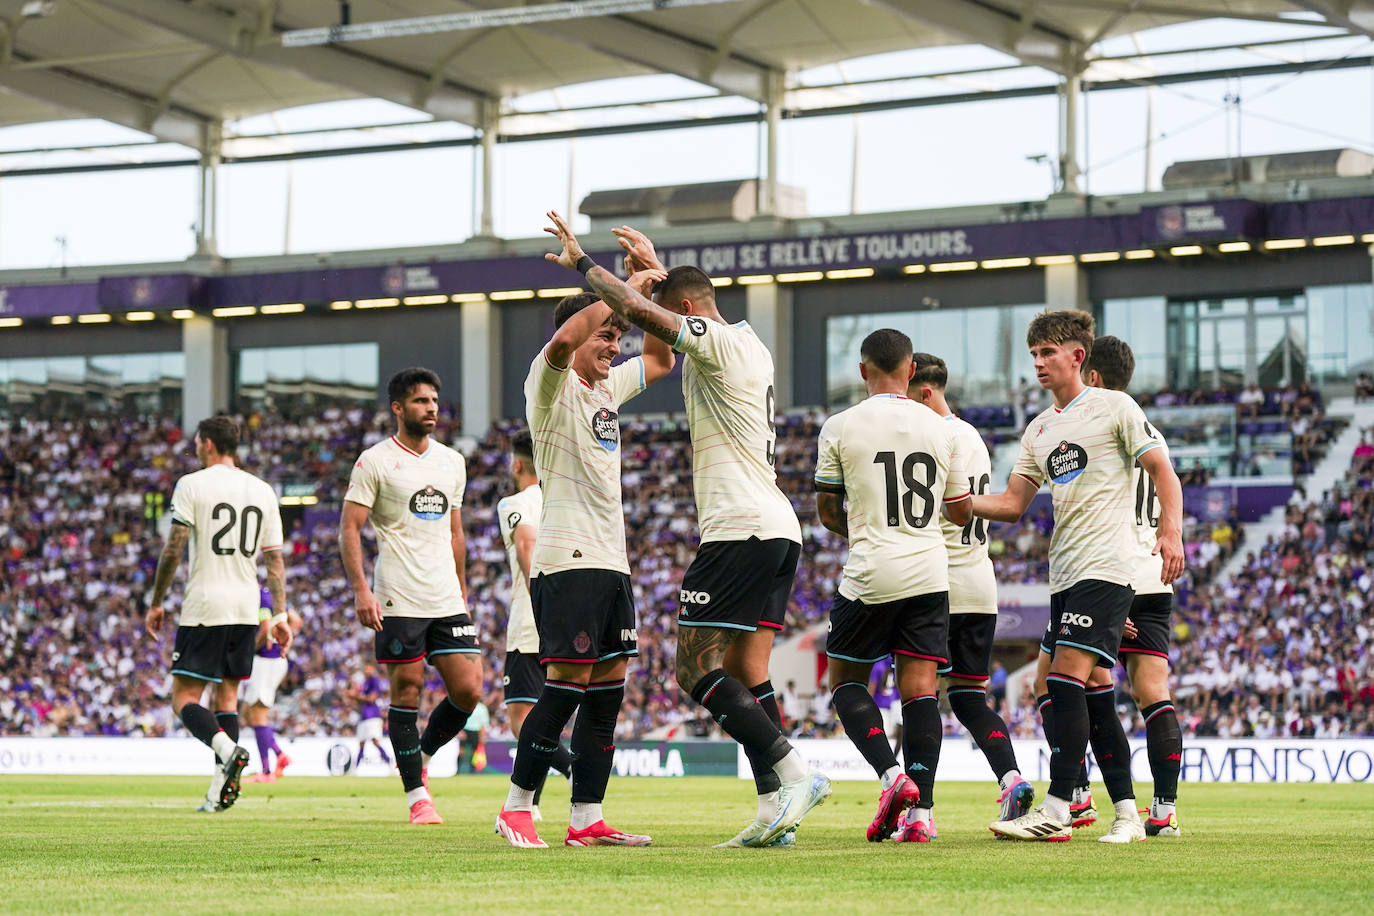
(638, 248)
(572, 250)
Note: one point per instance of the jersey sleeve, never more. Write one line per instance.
(706, 342)
(460, 480)
(544, 381)
(509, 515)
(829, 471)
(271, 522)
(1025, 465)
(1133, 431)
(184, 504)
(957, 483)
(627, 380)
(362, 483)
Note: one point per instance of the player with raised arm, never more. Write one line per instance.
(734, 595)
(229, 517)
(580, 590)
(972, 601)
(518, 515)
(1084, 447)
(411, 488)
(884, 469)
(260, 693)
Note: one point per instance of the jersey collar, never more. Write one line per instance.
(408, 451)
(1074, 401)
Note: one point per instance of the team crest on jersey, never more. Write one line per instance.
(582, 642)
(697, 326)
(1066, 462)
(606, 428)
(428, 504)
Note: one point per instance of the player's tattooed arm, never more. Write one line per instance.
(276, 584)
(830, 508)
(167, 564)
(700, 650)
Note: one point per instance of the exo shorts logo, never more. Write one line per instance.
(606, 429)
(1076, 620)
(429, 504)
(697, 326)
(1066, 462)
(469, 630)
(629, 636)
(699, 598)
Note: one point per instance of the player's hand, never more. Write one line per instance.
(572, 250)
(368, 610)
(152, 621)
(638, 248)
(643, 281)
(1130, 631)
(1170, 547)
(283, 636)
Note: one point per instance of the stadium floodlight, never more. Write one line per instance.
(341, 305)
(558, 292)
(1185, 251)
(139, 316)
(11, 322)
(61, 319)
(849, 273)
(1233, 247)
(468, 297)
(950, 266)
(1280, 244)
(234, 311)
(914, 269)
(183, 314)
(805, 276)
(1051, 260)
(754, 279)
(505, 295)
(1095, 257)
(1326, 241)
(1139, 254)
(722, 281)
(480, 19)
(283, 308)
(386, 302)
(95, 318)
(1001, 263)
(437, 299)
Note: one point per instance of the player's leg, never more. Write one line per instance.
(863, 725)
(255, 717)
(1147, 663)
(523, 682)
(451, 646)
(1081, 805)
(593, 750)
(965, 680)
(403, 721)
(921, 647)
(1113, 753)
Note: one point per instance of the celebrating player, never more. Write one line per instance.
(1084, 446)
(580, 590)
(972, 601)
(260, 693)
(518, 515)
(883, 470)
(229, 516)
(734, 595)
(411, 487)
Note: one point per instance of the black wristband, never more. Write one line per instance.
(584, 264)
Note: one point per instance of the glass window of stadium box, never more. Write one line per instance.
(294, 379)
(138, 384)
(1340, 333)
(985, 349)
(1228, 342)
(1141, 323)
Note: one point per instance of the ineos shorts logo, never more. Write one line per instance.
(512, 520)
(606, 429)
(686, 597)
(469, 630)
(1076, 620)
(628, 636)
(429, 504)
(1066, 462)
(697, 326)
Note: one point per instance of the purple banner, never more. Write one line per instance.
(160, 291)
(1315, 218)
(1218, 219)
(46, 301)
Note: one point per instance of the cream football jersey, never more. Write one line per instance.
(520, 509)
(1085, 454)
(972, 581)
(232, 516)
(412, 497)
(727, 385)
(895, 461)
(576, 432)
(1145, 502)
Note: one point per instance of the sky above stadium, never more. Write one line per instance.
(920, 158)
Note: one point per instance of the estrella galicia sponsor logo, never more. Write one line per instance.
(697, 326)
(1076, 620)
(429, 504)
(606, 428)
(1066, 462)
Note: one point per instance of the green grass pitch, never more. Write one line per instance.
(134, 844)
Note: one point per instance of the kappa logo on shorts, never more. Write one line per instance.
(1076, 620)
(176, 655)
(505, 681)
(697, 326)
(582, 642)
(1066, 462)
(429, 504)
(606, 429)
(699, 598)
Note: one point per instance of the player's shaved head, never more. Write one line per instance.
(931, 371)
(569, 306)
(1113, 360)
(522, 445)
(685, 282)
(886, 350)
(221, 432)
(1065, 327)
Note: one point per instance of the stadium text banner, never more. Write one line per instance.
(1341, 760)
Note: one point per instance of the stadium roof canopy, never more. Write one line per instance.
(179, 69)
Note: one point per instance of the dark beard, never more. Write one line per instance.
(415, 429)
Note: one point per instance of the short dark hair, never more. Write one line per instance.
(1113, 360)
(569, 306)
(930, 370)
(885, 349)
(403, 382)
(685, 282)
(221, 432)
(1061, 327)
(522, 445)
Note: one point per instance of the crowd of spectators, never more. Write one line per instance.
(83, 514)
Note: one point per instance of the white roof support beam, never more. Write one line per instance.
(346, 68)
(1355, 15)
(1019, 36)
(82, 95)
